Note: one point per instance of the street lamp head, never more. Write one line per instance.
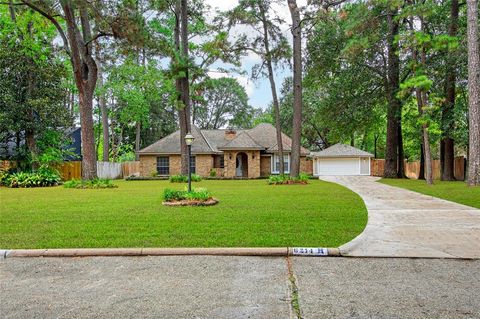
(189, 138)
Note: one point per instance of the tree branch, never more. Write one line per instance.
(53, 21)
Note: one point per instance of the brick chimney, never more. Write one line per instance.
(230, 134)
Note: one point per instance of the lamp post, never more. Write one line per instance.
(189, 141)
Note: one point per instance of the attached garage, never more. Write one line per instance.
(341, 159)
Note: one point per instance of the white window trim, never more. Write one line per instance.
(272, 164)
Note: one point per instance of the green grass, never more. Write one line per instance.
(457, 192)
(250, 214)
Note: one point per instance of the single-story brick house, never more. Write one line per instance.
(248, 153)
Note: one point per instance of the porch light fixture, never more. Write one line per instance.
(189, 138)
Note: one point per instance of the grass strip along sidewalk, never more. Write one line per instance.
(457, 192)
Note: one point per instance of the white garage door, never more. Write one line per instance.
(338, 166)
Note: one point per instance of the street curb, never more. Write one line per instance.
(233, 251)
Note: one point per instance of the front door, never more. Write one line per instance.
(239, 172)
(241, 168)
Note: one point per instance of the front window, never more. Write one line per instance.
(218, 161)
(163, 165)
(276, 163)
(192, 164)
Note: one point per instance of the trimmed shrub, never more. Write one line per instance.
(170, 195)
(178, 179)
(303, 177)
(196, 178)
(184, 178)
(213, 172)
(41, 178)
(201, 194)
(287, 179)
(96, 183)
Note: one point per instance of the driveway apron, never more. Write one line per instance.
(402, 223)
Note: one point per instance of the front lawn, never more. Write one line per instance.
(457, 192)
(250, 214)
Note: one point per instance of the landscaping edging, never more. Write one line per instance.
(187, 202)
(228, 251)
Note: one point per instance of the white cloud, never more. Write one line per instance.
(246, 83)
(217, 75)
(222, 5)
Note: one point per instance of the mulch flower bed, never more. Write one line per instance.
(187, 202)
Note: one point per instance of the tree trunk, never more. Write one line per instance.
(394, 105)
(182, 84)
(422, 102)
(85, 74)
(473, 94)
(421, 173)
(401, 153)
(276, 106)
(103, 107)
(297, 87)
(447, 149)
(137, 140)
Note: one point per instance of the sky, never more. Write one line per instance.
(259, 92)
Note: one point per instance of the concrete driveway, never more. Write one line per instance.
(402, 223)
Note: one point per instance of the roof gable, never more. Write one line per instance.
(341, 150)
(241, 141)
(170, 144)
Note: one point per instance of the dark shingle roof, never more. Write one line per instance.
(341, 150)
(170, 144)
(261, 137)
(242, 141)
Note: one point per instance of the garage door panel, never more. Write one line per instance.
(338, 166)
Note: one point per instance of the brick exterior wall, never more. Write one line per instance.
(257, 165)
(306, 165)
(203, 164)
(265, 166)
(175, 164)
(148, 165)
(253, 163)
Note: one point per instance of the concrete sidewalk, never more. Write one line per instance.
(238, 287)
(402, 223)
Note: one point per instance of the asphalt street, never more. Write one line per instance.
(238, 287)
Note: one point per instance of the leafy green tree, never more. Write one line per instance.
(225, 103)
(78, 25)
(31, 81)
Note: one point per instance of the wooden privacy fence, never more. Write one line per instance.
(73, 169)
(377, 166)
(6, 165)
(70, 170)
(109, 170)
(412, 169)
(131, 168)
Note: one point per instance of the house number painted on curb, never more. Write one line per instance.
(310, 251)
